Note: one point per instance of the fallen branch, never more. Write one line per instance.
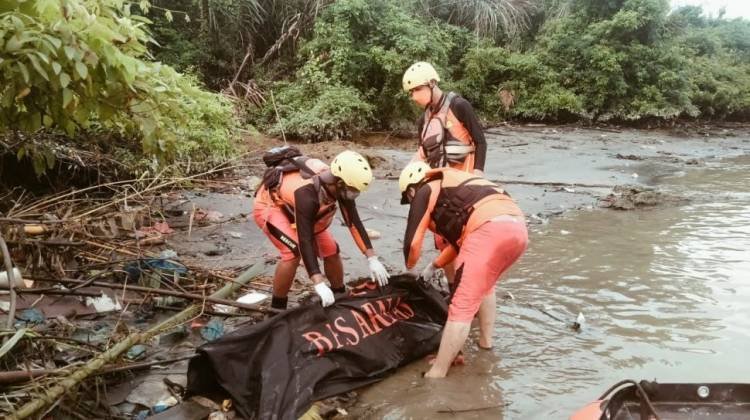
(140, 289)
(496, 132)
(291, 32)
(552, 184)
(29, 221)
(606, 130)
(47, 242)
(146, 253)
(11, 282)
(152, 186)
(248, 55)
(469, 410)
(20, 376)
(8, 346)
(90, 368)
(59, 197)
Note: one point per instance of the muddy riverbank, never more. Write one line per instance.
(548, 170)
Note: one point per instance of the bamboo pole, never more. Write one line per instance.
(64, 385)
(19, 376)
(11, 282)
(139, 289)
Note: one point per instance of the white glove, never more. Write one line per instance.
(377, 271)
(325, 293)
(429, 272)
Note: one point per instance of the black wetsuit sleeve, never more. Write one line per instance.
(463, 110)
(306, 206)
(354, 223)
(416, 225)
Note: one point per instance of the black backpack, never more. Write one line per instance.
(277, 155)
(281, 160)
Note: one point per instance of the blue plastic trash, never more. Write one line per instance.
(213, 330)
(31, 316)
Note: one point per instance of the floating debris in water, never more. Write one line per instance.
(580, 322)
(373, 234)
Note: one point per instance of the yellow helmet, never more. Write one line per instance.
(412, 174)
(420, 73)
(353, 169)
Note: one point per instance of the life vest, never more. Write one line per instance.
(456, 203)
(444, 140)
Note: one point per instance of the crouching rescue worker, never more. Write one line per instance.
(295, 206)
(486, 232)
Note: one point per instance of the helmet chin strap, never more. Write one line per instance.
(432, 86)
(432, 93)
(429, 104)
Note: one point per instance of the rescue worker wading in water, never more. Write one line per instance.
(449, 131)
(486, 232)
(296, 215)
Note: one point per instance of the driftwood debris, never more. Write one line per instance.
(51, 395)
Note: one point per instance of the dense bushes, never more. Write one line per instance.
(329, 69)
(488, 70)
(619, 60)
(81, 66)
(351, 68)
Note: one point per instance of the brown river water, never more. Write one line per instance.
(665, 293)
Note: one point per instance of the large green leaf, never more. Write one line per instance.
(64, 79)
(82, 70)
(24, 71)
(38, 67)
(67, 97)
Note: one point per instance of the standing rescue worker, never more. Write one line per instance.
(296, 215)
(449, 130)
(486, 232)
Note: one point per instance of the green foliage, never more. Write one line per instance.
(614, 56)
(722, 87)
(315, 107)
(368, 45)
(601, 60)
(493, 19)
(487, 70)
(719, 57)
(82, 66)
(207, 126)
(353, 64)
(217, 34)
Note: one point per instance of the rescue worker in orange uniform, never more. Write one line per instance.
(486, 232)
(450, 134)
(449, 130)
(297, 214)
